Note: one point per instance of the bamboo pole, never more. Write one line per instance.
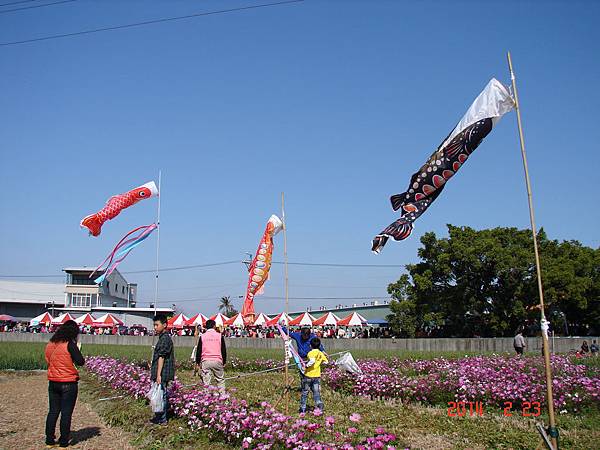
(552, 431)
(285, 269)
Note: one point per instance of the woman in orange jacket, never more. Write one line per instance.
(61, 353)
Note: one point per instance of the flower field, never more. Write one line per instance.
(249, 414)
(492, 380)
(237, 423)
(399, 402)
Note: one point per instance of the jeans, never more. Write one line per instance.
(162, 416)
(314, 384)
(62, 398)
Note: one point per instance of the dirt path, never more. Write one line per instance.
(23, 409)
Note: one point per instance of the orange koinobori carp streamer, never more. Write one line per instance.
(116, 204)
(427, 184)
(261, 264)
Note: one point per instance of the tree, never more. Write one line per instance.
(226, 306)
(484, 283)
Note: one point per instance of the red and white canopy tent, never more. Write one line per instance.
(86, 319)
(327, 319)
(220, 319)
(353, 320)
(62, 319)
(281, 318)
(261, 320)
(179, 321)
(236, 321)
(198, 319)
(44, 318)
(107, 320)
(304, 319)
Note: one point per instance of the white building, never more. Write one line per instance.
(79, 295)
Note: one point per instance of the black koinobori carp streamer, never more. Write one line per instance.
(427, 184)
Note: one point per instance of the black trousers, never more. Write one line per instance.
(62, 398)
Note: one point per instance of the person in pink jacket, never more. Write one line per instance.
(211, 355)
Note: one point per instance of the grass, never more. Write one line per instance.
(133, 415)
(30, 356)
(416, 426)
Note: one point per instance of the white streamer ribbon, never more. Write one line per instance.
(545, 325)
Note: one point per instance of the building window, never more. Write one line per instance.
(80, 279)
(122, 289)
(116, 288)
(81, 300)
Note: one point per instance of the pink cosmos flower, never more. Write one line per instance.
(355, 417)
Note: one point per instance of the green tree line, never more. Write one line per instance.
(484, 283)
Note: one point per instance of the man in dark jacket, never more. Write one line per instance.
(163, 365)
(302, 340)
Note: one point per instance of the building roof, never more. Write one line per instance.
(377, 304)
(12, 291)
(80, 269)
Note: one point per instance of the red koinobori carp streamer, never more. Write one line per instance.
(130, 241)
(261, 264)
(428, 182)
(116, 204)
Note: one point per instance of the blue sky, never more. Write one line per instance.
(335, 103)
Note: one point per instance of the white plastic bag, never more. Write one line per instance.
(155, 395)
(346, 362)
(193, 355)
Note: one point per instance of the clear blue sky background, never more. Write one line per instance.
(336, 103)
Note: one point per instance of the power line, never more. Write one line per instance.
(195, 266)
(207, 299)
(324, 298)
(337, 265)
(148, 22)
(17, 3)
(32, 276)
(223, 263)
(36, 6)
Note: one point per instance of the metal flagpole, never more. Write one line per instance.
(157, 260)
(285, 268)
(157, 243)
(552, 431)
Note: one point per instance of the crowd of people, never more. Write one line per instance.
(136, 330)
(320, 332)
(329, 332)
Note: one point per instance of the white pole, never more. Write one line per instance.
(287, 306)
(157, 242)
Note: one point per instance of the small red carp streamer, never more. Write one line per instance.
(130, 241)
(116, 204)
(260, 267)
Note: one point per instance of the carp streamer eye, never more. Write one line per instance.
(142, 194)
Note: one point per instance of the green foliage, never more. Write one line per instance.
(226, 306)
(484, 283)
